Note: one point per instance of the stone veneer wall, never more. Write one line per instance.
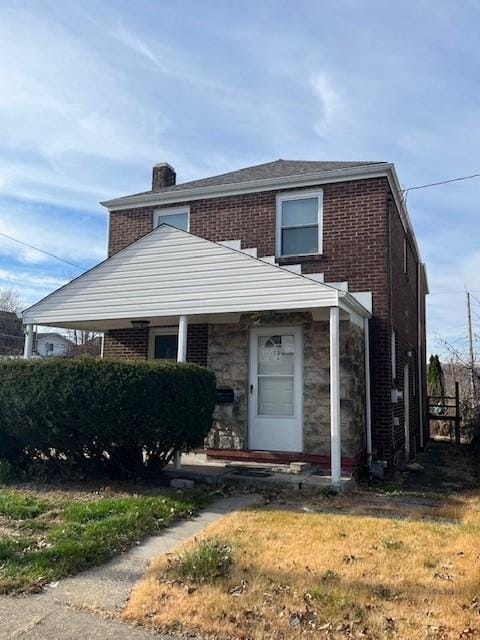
(228, 358)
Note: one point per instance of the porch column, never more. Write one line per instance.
(181, 357)
(182, 339)
(368, 401)
(28, 345)
(335, 422)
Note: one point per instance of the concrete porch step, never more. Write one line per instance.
(257, 477)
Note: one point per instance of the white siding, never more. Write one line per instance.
(59, 345)
(171, 272)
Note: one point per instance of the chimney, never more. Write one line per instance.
(163, 175)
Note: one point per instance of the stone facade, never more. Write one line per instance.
(228, 358)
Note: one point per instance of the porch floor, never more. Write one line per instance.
(199, 468)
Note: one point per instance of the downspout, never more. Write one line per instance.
(420, 357)
(368, 400)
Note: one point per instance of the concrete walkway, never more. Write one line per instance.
(84, 607)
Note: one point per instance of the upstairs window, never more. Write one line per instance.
(299, 224)
(179, 217)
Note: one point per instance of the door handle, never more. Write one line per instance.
(251, 388)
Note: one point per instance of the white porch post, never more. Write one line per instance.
(182, 339)
(28, 345)
(335, 422)
(368, 400)
(181, 357)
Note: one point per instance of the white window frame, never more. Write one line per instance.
(298, 195)
(158, 331)
(158, 214)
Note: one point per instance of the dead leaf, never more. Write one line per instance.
(444, 576)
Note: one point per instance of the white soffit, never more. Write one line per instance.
(170, 272)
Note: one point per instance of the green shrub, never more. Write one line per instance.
(123, 417)
(6, 471)
(208, 560)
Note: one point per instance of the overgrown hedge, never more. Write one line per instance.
(124, 417)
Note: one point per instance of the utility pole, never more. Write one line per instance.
(470, 351)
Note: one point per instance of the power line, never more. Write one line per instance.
(52, 255)
(436, 184)
(474, 297)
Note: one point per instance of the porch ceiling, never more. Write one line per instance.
(169, 273)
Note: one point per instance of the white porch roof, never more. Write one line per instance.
(169, 273)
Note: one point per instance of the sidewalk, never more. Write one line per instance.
(85, 606)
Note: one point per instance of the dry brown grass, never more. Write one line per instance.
(327, 570)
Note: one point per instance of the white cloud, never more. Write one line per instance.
(17, 277)
(332, 105)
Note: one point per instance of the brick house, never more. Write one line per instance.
(299, 283)
(11, 334)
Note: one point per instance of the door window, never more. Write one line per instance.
(275, 375)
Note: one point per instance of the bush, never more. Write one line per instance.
(123, 417)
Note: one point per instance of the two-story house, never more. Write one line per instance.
(299, 283)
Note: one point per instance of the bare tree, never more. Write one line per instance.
(10, 300)
(84, 343)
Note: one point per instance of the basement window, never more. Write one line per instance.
(299, 223)
(178, 217)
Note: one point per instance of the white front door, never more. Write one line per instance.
(276, 389)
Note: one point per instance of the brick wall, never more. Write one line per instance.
(133, 343)
(362, 244)
(126, 343)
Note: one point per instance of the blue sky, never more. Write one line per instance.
(93, 93)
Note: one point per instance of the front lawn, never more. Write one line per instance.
(45, 535)
(362, 566)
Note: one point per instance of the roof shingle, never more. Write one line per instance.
(276, 169)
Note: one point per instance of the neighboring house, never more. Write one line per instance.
(11, 334)
(51, 344)
(299, 283)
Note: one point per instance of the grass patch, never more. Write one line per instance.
(392, 545)
(334, 570)
(205, 562)
(45, 536)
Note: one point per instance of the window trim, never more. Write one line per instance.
(405, 255)
(298, 195)
(158, 331)
(170, 211)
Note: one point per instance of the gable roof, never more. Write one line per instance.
(169, 273)
(275, 170)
